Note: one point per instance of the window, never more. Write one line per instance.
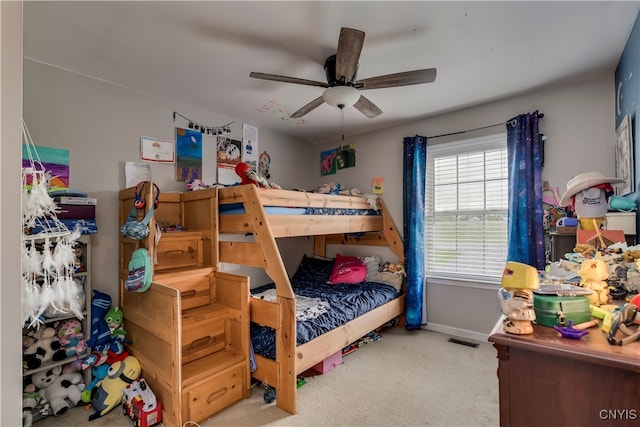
(466, 209)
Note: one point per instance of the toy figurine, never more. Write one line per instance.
(587, 194)
(593, 275)
(516, 297)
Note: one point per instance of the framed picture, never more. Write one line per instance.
(624, 157)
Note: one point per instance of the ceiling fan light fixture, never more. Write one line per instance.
(344, 96)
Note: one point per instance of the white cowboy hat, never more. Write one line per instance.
(584, 181)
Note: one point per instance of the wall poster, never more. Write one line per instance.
(624, 157)
(188, 154)
(54, 160)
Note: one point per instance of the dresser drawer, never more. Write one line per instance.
(200, 339)
(205, 398)
(195, 286)
(177, 250)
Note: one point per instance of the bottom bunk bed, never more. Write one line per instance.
(321, 307)
(290, 346)
(328, 319)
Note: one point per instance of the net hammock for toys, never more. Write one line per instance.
(48, 259)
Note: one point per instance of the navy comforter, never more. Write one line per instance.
(347, 301)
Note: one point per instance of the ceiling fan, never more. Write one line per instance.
(342, 87)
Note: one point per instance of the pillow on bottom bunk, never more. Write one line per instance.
(373, 265)
(390, 274)
(348, 269)
(314, 267)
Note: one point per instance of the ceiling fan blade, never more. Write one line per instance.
(348, 54)
(286, 79)
(367, 107)
(398, 79)
(308, 108)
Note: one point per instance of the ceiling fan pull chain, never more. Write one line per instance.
(341, 125)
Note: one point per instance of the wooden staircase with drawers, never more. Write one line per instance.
(190, 329)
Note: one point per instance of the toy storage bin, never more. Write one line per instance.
(625, 221)
(329, 363)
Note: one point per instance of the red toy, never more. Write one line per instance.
(241, 170)
(250, 176)
(139, 403)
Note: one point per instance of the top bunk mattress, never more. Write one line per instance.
(238, 208)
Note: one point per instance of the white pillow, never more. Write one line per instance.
(373, 264)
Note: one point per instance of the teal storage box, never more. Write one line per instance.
(552, 310)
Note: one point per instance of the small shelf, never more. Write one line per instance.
(49, 365)
(49, 320)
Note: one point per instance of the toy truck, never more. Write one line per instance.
(139, 403)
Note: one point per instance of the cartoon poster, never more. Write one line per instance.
(228, 151)
(346, 157)
(328, 164)
(55, 162)
(188, 154)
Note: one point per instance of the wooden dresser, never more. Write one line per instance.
(547, 380)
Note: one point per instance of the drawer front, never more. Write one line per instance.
(202, 338)
(195, 287)
(178, 251)
(213, 395)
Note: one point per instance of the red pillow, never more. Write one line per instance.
(348, 269)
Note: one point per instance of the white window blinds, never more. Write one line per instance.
(466, 209)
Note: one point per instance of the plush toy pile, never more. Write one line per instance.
(51, 391)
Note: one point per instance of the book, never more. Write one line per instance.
(69, 200)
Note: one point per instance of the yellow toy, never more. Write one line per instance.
(516, 297)
(107, 394)
(593, 275)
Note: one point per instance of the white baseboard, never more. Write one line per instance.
(456, 332)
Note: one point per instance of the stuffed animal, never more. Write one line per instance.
(57, 388)
(241, 170)
(114, 319)
(46, 347)
(195, 184)
(71, 337)
(30, 400)
(107, 394)
(593, 273)
(250, 176)
(100, 335)
(98, 373)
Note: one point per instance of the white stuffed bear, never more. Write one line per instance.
(56, 388)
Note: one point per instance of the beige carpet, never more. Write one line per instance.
(414, 378)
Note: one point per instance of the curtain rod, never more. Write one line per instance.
(510, 122)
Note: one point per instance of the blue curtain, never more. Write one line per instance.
(525, 217)
(413, 180)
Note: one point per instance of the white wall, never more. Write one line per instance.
(10, 217)
(579, 123)
(101, 124)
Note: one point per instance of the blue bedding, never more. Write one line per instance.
(347, 301)
(237, 208)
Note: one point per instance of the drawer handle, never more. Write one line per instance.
(200, 342)
(217, 395)
(176, 253)
(188, 294)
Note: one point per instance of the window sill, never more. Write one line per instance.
(478, 283)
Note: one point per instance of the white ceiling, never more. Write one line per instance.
(201, 53)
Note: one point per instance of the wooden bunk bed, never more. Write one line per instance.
(377, 230)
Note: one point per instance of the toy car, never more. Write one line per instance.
(139, 403)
